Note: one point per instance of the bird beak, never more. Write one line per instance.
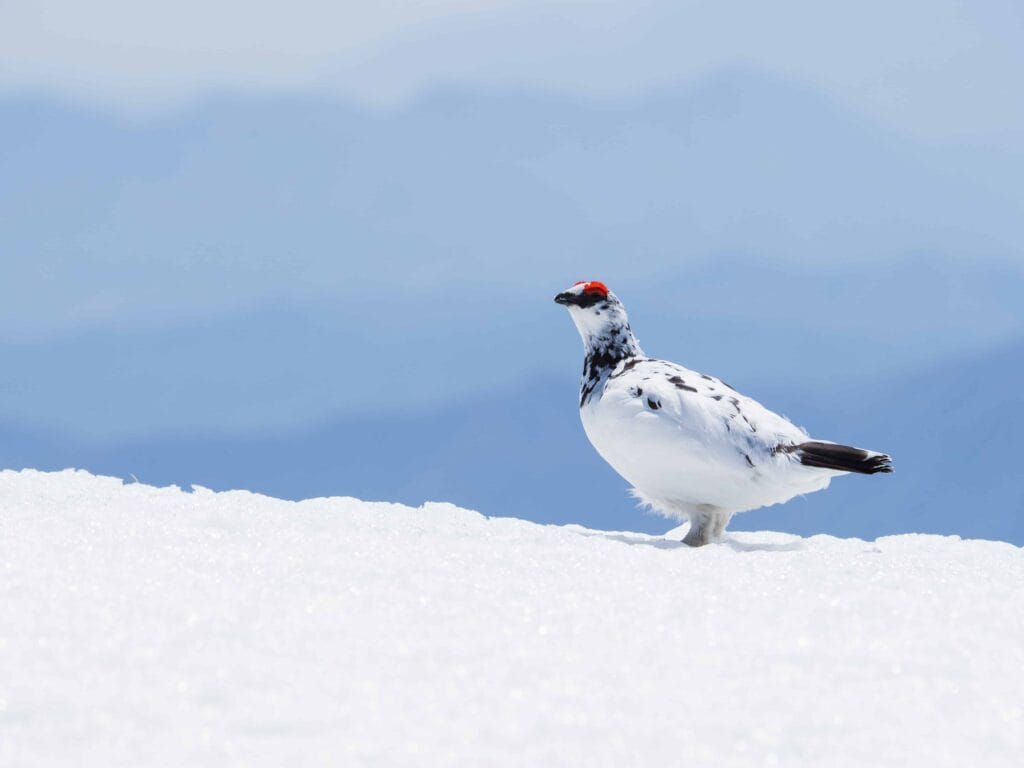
(564, 298)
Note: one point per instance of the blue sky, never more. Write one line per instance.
(942, 69)
(246, 225)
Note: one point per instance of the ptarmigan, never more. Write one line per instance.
(690, 445)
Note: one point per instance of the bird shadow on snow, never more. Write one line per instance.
(626, 538)
(762, 546)
(737, 545)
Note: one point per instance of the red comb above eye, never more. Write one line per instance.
(595, 286)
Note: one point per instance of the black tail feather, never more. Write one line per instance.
(839, 457)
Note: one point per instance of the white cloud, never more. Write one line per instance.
(940, 68)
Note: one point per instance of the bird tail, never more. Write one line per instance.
(842, 458)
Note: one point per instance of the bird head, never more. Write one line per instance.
(599, 317)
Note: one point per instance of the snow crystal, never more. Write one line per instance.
(150, 626)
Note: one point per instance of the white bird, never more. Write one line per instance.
(690, 445)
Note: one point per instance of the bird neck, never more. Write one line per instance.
(610, 346)
(604, 352)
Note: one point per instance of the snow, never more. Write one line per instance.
(150, 626)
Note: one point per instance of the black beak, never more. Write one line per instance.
(564, 298)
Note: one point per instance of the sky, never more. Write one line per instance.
(224, 228)
(941, 70)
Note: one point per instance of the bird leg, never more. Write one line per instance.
(707, 523)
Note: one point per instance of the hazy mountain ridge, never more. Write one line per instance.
(240, 199)
(282, 366)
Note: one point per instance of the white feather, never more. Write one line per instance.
(710, 447)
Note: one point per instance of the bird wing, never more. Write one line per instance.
(700, 408)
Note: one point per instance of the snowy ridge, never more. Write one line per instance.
(150, 626)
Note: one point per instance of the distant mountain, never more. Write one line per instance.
(266, 263)
(241, 198)
(284, 367)
(953, 431)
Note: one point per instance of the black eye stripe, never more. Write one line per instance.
(586, 300)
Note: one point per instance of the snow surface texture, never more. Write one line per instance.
(149, 626)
